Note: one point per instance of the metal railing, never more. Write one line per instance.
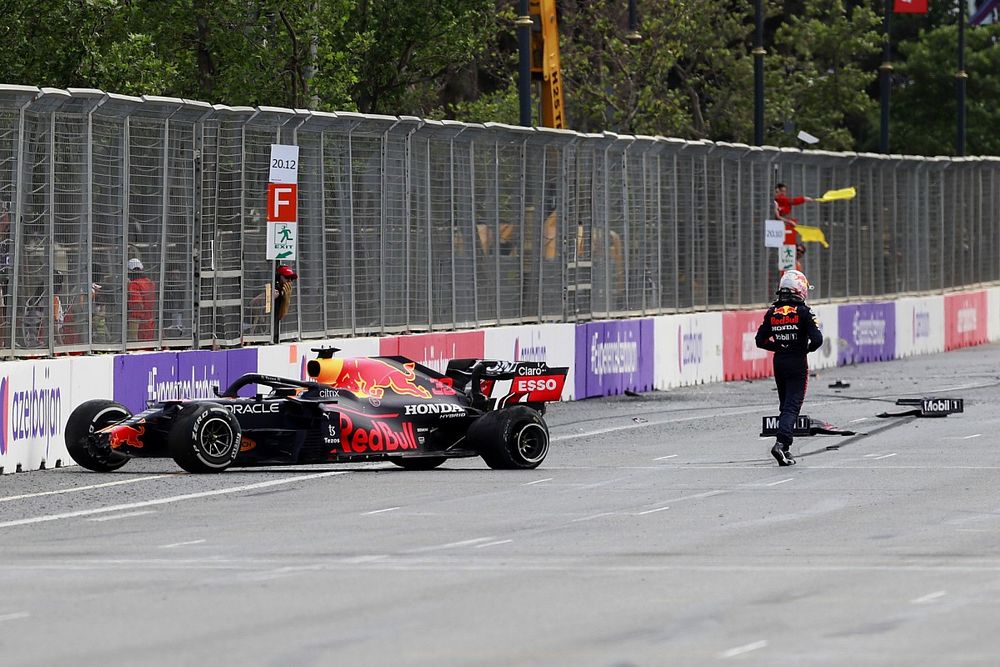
(415, 225)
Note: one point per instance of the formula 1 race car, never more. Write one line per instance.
(351, 409)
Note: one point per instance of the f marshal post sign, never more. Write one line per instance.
(282, 202)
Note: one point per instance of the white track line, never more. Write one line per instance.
(493, 544)
(181, 544)
(930, 597)
(127, 515)
(452, 545)
(746, 648)
(970, 437)
(664, 458)
(593, 516)
(15, 616)
(86, 488)
(170, 499)
(884, 456)
(658, 509)
(780, 481)
(538, 481)
(387, 509)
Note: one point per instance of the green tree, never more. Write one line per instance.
(927, 72)
(817, 80)
(685, 78)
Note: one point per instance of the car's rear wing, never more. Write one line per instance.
(493, 384)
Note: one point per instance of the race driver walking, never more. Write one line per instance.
(789, 330)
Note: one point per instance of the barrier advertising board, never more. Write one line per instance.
(919, 326)
(158, 376)
(965, 319)
(993, 312)
(614, 356)
(826, 320)
(688, 349)
(36, 398)
(867, 333)
(741, 358)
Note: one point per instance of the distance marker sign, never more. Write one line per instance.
(282, 202)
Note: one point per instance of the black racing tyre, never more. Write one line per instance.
(419, 462)
(88, 418)
(514, 438)
(205, 438)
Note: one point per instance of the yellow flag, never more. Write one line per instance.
(811, 235)
(834, 195)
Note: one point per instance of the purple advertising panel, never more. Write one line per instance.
(140, 378)
(867, 333)
(614, 356)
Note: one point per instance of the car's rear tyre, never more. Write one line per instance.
(205, 438)
(419, 462)
(88, 418)
(514, 438)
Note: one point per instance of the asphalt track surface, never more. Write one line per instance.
(658, 531)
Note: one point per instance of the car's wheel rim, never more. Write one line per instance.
(216, 439)
(532, 443)
(107, 417)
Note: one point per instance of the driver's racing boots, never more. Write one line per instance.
(781, 455)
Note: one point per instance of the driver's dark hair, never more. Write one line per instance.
(780, 185)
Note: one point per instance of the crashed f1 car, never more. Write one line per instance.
(351, 409)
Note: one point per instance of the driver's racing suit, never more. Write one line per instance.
(789, 330)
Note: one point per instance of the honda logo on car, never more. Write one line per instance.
(547, 383)
(434, 409)
(30, 413)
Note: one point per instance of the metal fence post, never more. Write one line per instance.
(126, 181)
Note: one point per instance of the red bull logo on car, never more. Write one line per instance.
(125, 435)
(381, 437)
(370, 378)
(31, 412)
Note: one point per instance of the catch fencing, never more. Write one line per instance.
(408, 224)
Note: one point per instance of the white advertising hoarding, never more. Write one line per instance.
(993, 313)
(36, 399)
(826, 355)
(920, 325)
(688, 349)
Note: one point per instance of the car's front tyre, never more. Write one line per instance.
(87, 419)
(514, 438)
(205, 438)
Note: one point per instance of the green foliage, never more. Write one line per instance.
(928, 73)
(691, 75)
(816, 80)
(678, 80)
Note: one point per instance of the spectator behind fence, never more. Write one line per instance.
(141, 303)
